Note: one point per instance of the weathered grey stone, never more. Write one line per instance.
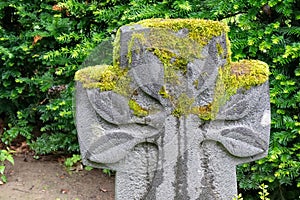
(187, 120)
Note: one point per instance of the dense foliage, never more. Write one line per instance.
(44, 42)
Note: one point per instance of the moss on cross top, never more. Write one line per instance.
(199, 30)
(176, 43)
(237, 75)
(104, 77)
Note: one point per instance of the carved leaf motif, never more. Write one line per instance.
(111, 147)
(149, 74)
(241, 141)
(110, 106)
(236, 108)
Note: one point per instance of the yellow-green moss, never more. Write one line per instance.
(175, 49)
(183, 105)
(200, 30)
(237, 75)
(245, 74)
(123, 86)
(220, 50)
(104, 77)
(167, 40)
(163, 92)
(116, 49)
(170, 59)
(204, 112)
(138, 110)
(135, 37)
(172, 64)
(228, 48)
(196, 83)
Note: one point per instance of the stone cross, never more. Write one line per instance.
(173, 115)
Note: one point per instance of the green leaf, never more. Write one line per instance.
(297, 72)
(10, 159)
(3, 178)
(2, 168)
(88, 168)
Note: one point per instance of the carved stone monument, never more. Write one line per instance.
(173, 115)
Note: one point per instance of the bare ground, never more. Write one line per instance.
(48, 179)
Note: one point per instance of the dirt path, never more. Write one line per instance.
(47, 179)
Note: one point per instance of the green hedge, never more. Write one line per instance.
(43, 43)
